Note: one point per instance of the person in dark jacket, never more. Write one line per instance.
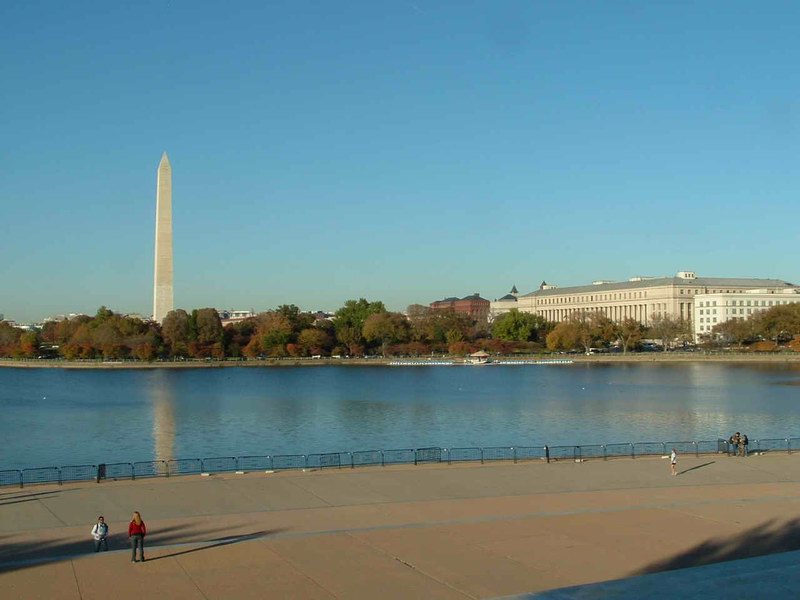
(136, 532)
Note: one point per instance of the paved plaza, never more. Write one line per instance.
(433, 531)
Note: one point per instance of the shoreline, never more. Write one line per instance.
(649, 358)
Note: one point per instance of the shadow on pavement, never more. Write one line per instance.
(226, 541)
(770, 537)
(11, 498)
(28, 553)
(697, 467)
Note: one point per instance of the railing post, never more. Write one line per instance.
(415, 457)
(605, 456)
(481, 455)
(305, 460)
(449, 460)
(547, 454)
(790, 446)
(21, 484)
(788, 450)
(696, 449)
(633, 451)
(515, 455)
(383, 459)
(352, 461)
(271, 462)
(663, 448)
(59, 476)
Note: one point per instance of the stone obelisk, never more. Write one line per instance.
(162, 283)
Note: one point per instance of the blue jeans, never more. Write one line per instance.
(137, 540)
(102, 542)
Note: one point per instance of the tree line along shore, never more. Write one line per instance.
(656, 357)
(362, 328)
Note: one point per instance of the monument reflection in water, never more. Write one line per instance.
(162, 400)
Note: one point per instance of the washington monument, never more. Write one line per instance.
(162, 283)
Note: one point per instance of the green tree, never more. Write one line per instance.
(297, 319)
(9, 339)
(386, 328)
(629, 333)
(274, 332)
(349, 322)
(29, 344)
(209, 336)
(176, 329)
(314, 341)
(516, 326)
(779, 323)
(738, 331)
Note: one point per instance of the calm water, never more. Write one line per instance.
(59, 417)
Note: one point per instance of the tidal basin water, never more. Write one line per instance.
(62, 416)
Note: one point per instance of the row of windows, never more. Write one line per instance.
(707, 320)
(707, 292)
(748, 303)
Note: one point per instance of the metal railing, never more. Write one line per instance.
(363, 458)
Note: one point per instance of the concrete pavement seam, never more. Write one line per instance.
(75, 575)
(185, 572)
(262, 540)
(422, 572)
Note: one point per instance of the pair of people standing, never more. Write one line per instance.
(136, 532)
(739, 442)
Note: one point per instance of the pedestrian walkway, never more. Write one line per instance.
(466, 531)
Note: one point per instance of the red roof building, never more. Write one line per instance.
(475, 306)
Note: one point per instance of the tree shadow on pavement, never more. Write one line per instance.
(770, 537)
(219, 542)
(28, 553)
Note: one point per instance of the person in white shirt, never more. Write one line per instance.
(673, 461)
(100, 535)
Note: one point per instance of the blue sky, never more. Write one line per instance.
(399, 151)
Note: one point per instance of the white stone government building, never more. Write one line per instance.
(640, 297)
(716, 308)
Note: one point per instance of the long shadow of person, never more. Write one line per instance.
(219, 542)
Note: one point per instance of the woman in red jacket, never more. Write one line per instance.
(137, 531)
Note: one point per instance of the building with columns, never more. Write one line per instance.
(639, 298)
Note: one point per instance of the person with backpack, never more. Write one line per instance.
(100, 535)
(136, 532)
